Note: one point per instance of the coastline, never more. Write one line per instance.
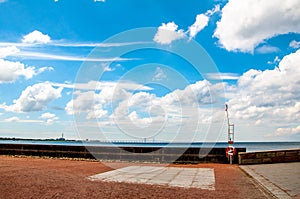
(250, 146)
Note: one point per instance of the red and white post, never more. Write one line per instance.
(230, 150)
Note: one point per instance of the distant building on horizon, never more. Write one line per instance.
(61, 138)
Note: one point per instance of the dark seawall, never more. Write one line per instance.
(272, 156)
(135, 154)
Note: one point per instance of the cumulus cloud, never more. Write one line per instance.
(95, 104)
(82, 102)
(141, 99)
(98, 112)
(271, 95)
(36, 37)
(286, 131)
(200, 93)
(144, 114)
(6, 51)
(34, 98)
(201, 21)
(246, 24)
(142, 108)
(167, 33)
(159, 74)
(49, 117)
(265, 99)
(11, 71)
(92, 103)
(295, 44)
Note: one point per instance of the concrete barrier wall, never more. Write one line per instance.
(265, 157)
(137, 154)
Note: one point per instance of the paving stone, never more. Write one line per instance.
(281, 179)
(202, 178)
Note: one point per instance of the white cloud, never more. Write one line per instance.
(49, 117)
(81, 102)
(159, 74)
(141, 108)
(202, 21)
(43, 69)
(47, 56)
(92, 103)
(246, 24)
(11, 71)
(222, 76)
(6, 51)
(295, 44)
(17, 119)
(36, 37)
(12, 119)
(167, 33)
(266, 100)
(35, 98)
(193, 95)
(98, 112)
(61, 43)
(103, 45)
(286, 131)
(213, 11)
(106, 67)
(275, 61)
(265, 49)
(271, 95)
(138, 121)
(141, 99)
(96, 86)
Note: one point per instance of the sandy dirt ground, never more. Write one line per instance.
(29, 177)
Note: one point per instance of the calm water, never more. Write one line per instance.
(250, 146)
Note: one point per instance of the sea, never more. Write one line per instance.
(250, 146)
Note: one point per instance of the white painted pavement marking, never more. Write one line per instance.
(202, 178)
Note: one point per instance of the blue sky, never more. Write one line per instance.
(163, 70)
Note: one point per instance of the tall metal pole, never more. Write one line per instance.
(226, 109)
(230, 149)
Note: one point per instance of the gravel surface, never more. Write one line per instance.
(29, 177)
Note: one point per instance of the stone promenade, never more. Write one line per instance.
(280, 179)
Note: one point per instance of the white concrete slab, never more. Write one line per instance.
(202, 178)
